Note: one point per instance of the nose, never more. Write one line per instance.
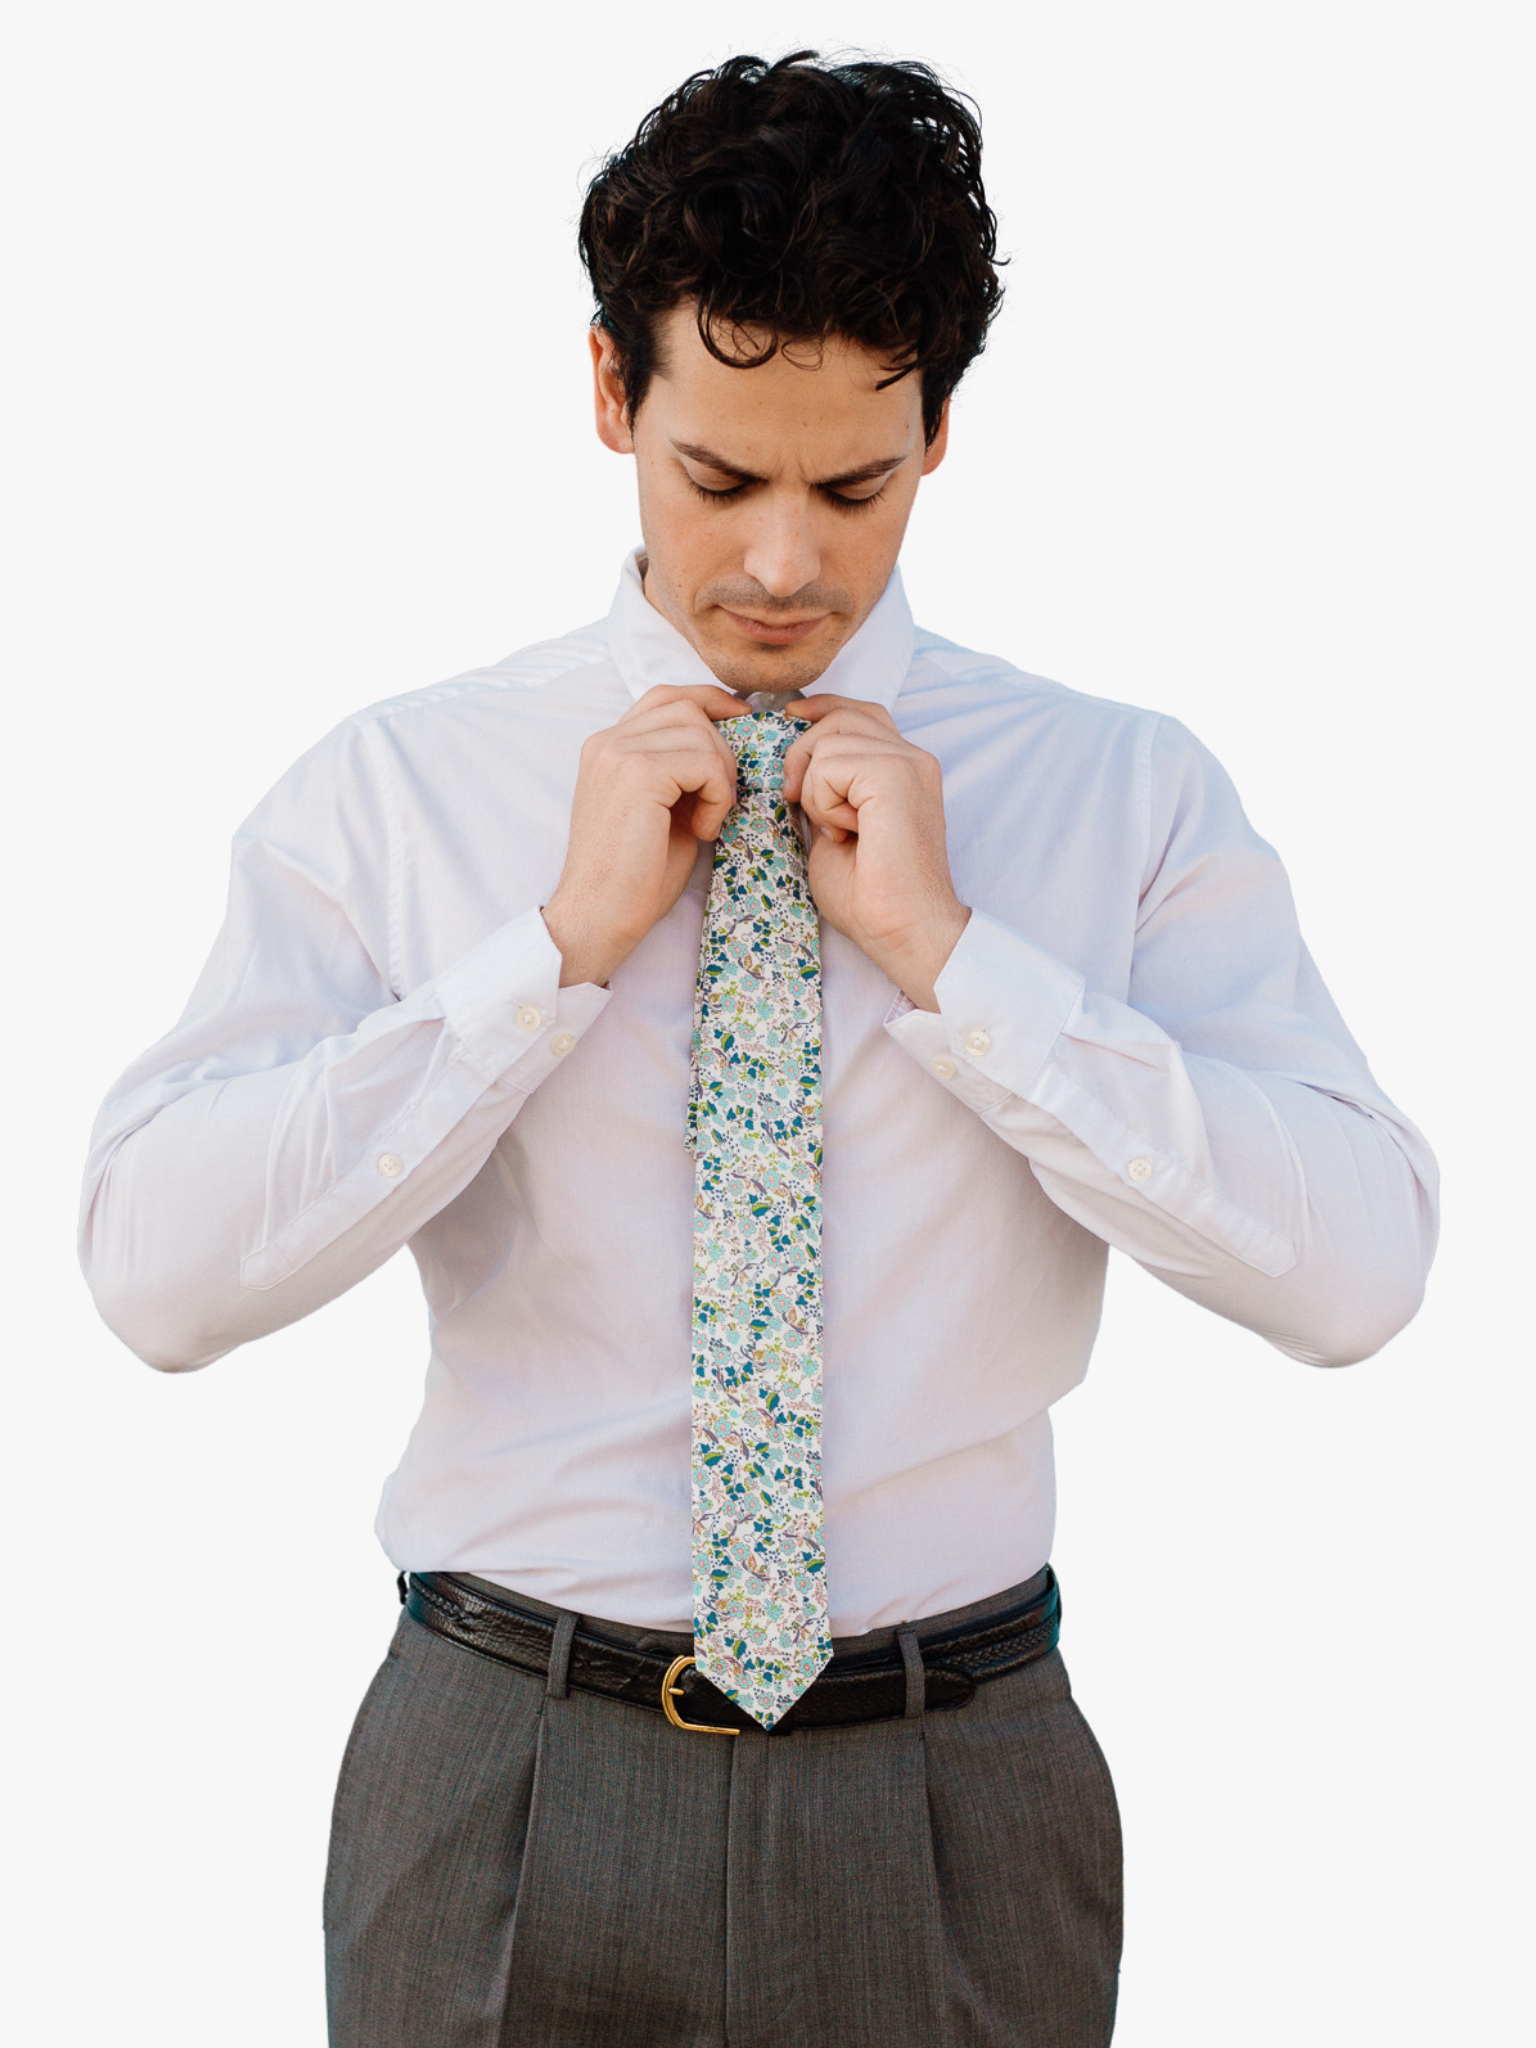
(783, 554)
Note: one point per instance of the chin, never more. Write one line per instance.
(786, 668)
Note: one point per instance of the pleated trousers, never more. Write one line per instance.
(511, 1867)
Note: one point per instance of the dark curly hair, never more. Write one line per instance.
(801, 200)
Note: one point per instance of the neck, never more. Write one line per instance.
(773, 700)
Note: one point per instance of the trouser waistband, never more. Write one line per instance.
(934, 1664)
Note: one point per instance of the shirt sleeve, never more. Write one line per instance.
(304, 1119)
(1219, 1125)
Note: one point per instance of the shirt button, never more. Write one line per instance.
(978, 1042)
(528, 1018)
(944, 1068)
(1140, 1169)
(390, 1164)
(562, 1041)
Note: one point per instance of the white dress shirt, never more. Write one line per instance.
(1132, 1048)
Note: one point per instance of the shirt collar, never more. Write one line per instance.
(648, 649)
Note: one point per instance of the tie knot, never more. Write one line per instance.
(760, 741)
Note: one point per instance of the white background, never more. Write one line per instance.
(299, 420)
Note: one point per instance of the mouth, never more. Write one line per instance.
(775, 632)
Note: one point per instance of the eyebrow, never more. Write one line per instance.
(864, 474)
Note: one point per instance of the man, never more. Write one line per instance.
(758, 1017)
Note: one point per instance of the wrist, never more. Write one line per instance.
(585, 956)
(915, 966)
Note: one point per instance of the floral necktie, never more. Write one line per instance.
(754, 1123)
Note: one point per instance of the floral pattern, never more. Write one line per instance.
(754, 1123)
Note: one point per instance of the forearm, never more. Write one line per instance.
(232, 1190)
(1313, 1225)
(180, 1218)
(1299, 1204)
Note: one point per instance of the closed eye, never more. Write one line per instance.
(855, 504)
(832, 497)
(716, 497)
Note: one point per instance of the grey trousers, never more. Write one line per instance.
(512, 1868)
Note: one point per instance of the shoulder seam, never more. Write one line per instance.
(1151, 722)
(494, 676)
(395, 842)
(960, 664)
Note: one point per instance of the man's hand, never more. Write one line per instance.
(879, 860)
(649, 790)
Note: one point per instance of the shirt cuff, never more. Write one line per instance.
(506, 1023)
(503, 1003)
(1003, 1003)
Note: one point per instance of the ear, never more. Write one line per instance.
(608, 393)
(938, 444)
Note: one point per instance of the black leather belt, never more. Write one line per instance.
(867, 1685)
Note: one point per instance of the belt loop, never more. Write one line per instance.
(560, 1656)
(401, 1587)
(912, 1664)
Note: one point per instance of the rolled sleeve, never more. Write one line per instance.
(1002, 1005)
(1218, 1124)
(504, 1005)
(1091, 1090)
(395, 1092)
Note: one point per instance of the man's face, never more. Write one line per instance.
(772, 501)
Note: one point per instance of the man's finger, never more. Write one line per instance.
(822, 706)
(824, 800)
(671, 721)
(801, 751)
(669, 765)
(710, 697)
(710, 814)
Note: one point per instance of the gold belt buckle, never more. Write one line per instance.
(671, 1690)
